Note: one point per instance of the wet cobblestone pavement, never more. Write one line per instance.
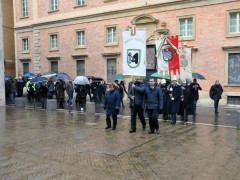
(38, 144)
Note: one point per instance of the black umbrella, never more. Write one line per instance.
(198, 76)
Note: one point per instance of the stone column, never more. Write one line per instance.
(36, 46)
(2, 82)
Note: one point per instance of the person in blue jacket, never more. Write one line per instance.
(175, 93)
(112, 106)
(153, 101)
(136, 108)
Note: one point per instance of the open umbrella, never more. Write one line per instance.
(118, 76)
(6, 77)
(39, 79)
(29, 75)
(63, 76)
(90, 77)
(161, 76)
(98, 79)
(81, 80)
(49, 74)
(197, 76)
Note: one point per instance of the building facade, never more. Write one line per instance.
(8, 30)
(83, 37)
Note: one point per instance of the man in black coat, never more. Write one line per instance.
(187, 99)
(20, 86)
(174, 90)
(44, 93)
(166, 99)
(196, 87)
(135, 94)
(216, 94)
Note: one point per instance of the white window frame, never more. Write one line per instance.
(186, 17)
(24, 8)
(51, 48)
(106, 35)
(77, 40)
(23, 45)
(83, 2)
(228, 34)
(55, 2)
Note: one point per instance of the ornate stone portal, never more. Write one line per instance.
(150, 23)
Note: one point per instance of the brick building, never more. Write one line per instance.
(83, 37)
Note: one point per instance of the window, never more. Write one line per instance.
(111, 35)
(80, 67)
(234, 26)
(25, 45)
(53, 5)
(80, 2)
(54, 66)
(235, 100)
(111, 69)
(233, 68)
(53, 42)
(80, 39)
(24, 8)
(186, 27)
(25, 68)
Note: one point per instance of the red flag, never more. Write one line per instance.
(174, 64)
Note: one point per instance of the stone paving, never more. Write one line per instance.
(38, 144)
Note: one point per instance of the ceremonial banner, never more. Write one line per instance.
(134, 53)
(185, 62)
(174, 63)
(162, 65)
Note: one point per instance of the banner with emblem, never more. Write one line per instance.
(134, 53)
(162, 65)
(185, 60)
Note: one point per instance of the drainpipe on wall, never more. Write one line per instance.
(2, 81)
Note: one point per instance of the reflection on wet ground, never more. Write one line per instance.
(38, 144)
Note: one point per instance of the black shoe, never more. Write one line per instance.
(151, 132)
(173, 122)
(108, 127)
(132, 130)
(216, 112)
(158, 131)
(113, 128)
(144, 128)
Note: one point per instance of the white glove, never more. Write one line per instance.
(172, 98)
(171, 89)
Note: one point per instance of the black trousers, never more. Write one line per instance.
(134, 111)
(153, 119)
(108, 121)
(216, 102)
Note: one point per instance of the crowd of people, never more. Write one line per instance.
(167, 98)
(41, 91)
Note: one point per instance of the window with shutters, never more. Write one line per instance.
(25, 68)
(54, 66)
(233, 68)
(111, 69)
(80, 67)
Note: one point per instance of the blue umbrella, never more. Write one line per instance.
(6, 77)
(29, 75)
(63, 76)
(197, 76)
(39, 79)
(118, 76)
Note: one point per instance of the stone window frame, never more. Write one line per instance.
(76, 39)
(105, 35)
(193, 16)
(228, 12)
(22, 50)
(229, 50)
(83, 5)
(106, 1)
(50, 42)
(25, 61)
(49, 7)
(80, 59)
(21, 11)
(50, 65)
